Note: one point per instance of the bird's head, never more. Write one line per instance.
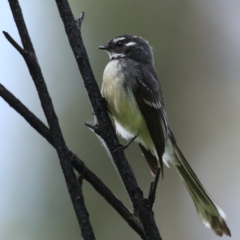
(129, 46)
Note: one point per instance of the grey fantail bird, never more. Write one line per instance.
(133, 94)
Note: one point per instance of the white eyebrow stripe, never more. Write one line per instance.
(118, 39)
(130, 44)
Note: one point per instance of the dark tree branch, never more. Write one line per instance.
(14, 43)
(77, 163)
(106, 193)
(19, 107)
(153, 189)
(85, 225)
(105, 128)
(21, 26)
(55, 131)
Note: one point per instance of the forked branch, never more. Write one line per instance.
(142, 221)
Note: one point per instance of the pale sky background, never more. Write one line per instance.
(197, 56)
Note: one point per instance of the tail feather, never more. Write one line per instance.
(211, 215)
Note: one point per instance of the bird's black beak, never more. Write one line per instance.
(103, 47)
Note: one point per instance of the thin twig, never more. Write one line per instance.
(14, 43)
(19, 107)
(80, 20)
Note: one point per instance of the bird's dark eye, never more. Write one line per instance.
(119, 44)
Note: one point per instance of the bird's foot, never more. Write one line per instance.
(121, 147)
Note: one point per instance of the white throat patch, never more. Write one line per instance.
(113, 55)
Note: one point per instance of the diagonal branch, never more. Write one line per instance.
(55, 131)
(105, 127)
(153, 189)
(19, 107)
(14, 43)
(77, 163)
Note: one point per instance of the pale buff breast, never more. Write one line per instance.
(122, 105)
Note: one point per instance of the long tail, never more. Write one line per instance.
(211, 215)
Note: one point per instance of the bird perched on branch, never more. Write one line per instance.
(133, 94)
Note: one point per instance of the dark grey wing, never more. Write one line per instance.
(147, 91)
(151, 159)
